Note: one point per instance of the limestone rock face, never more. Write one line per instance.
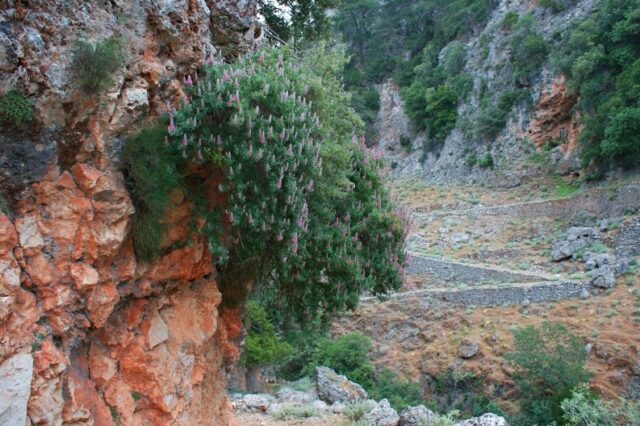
(88, 333)
(15, 387)
(333, 387)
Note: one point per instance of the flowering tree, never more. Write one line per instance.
(308, 217)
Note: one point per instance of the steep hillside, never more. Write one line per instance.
(497, 92)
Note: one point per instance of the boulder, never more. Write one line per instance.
(467, 350)
(417, 416)
(577, 238)
(15, 388)
(603, 277)
(488, 419)
(594, 261)
(333, 387)
(382, 415)
(252, 403)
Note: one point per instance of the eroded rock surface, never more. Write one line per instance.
(89, 335)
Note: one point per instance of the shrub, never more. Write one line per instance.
(405, 142)
(15, 110)
(4, 205)
(472, 160)
(554, 5)
(95, 63)
(510, 20)
(294, 412)
(440, 112)
(151, 173)
(261, 345)
(549, 364)
(400, 393)
(529, 51)
(584, 409)
(356, 410)
(486, 161)
(347, 355)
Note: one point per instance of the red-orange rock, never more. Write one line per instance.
(100, 302)
(101, 366)
(8, 235)
(84, 276)
(40, 270)
(118, 395)
(86, 176)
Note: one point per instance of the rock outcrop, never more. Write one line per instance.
(333, 387)
(89, 334)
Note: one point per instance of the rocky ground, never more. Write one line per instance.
(333, 400)
(486, 261)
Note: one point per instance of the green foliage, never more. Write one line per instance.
(460, 392)
(151, 170)
(510, 20)
(15, 110)
(601, 57)
(493, 118)
(554, 5)
(486, 161)
(549, 364)
(400, 393)
(347, 355)
(305, 212)
(405, 142)
(584, 409)
(356, 410)
(4, 205)
(301, 19)
(95, 63)
(294, 412)
(380, 34)
(261, 345)
(528, 52)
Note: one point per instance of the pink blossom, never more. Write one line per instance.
(263, 138)
(294, 243)
(184, 140)
(187, 81)
(171, 127)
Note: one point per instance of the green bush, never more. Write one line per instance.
(486, 161)
(405, 142)
(400, 393)
(529, 52)
(347, 355)
(151, 171)
(510, 20)
(4, 205)
(472, 160)
(460, 392)
(95, 63)
(262, 346)
(549, 364)
(554, 5)
(584, 409)
(440, 112)
(356, 410)
(15, 110)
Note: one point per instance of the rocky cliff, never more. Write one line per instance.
(88, 334)
(545, 118)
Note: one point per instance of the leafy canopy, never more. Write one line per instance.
(267, 150)
(549, 364)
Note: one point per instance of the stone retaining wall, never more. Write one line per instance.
(449, 271)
